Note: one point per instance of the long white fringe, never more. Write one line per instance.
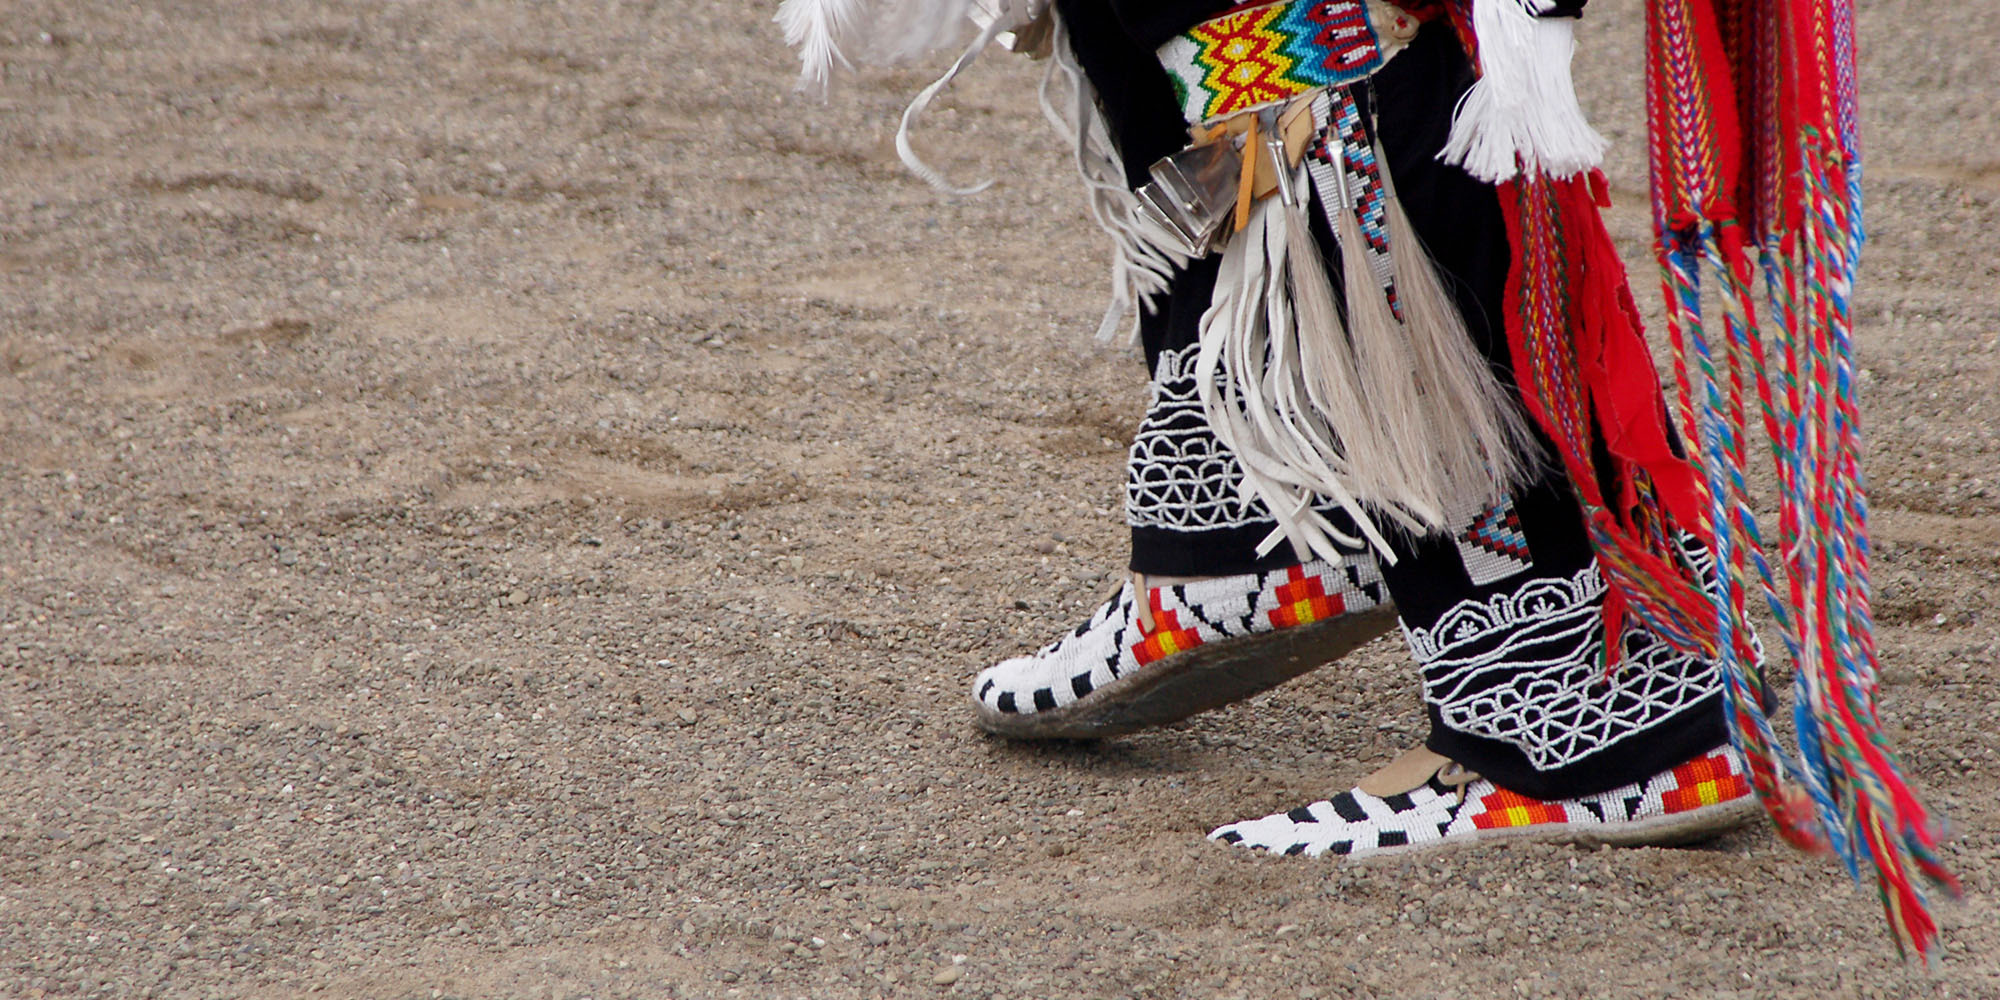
(1382, 417)
(1522, 114)
(1249, 375)
(1404, 473)
(1143, 260)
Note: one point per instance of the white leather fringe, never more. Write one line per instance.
(1253, 391)
(1143, 259)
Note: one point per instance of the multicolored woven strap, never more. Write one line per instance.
(1342, 158)
(1259, 54)
(1587, 380)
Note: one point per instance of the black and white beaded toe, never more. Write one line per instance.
(1187, 649)
(1701, 798)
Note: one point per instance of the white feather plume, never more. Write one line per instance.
(842, 33)
(821, 30)
(907, 30)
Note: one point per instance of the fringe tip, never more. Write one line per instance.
(1522, 114)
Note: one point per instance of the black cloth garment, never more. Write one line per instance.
(1505, 616)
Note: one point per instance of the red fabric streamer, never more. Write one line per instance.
(1587, 380)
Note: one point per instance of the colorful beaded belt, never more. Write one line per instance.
(1263, 53)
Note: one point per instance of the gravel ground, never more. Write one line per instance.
(504, 501)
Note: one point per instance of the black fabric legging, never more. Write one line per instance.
(1504, 617)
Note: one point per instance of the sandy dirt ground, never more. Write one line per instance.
(503, 500)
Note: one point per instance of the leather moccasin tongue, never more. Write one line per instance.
(1406, 773)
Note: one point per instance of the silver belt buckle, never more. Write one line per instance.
(1193, 194)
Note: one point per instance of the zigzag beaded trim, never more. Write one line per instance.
(1263, 53)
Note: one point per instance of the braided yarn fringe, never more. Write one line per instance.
(1754, 147)
(1587, 381)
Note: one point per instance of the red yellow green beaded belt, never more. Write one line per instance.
(1264, 53)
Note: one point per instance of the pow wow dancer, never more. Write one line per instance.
(1398, 378)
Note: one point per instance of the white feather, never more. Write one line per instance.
(844, 33)
(820, 30)
(906, 30)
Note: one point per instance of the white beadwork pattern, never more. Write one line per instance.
(1357, 824)
(1179, 476)
(1109, 645)
(1526, 668)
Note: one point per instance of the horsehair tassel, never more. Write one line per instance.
(1326, 358)
(1496, 448)
(1522, 113)
(1386, 368)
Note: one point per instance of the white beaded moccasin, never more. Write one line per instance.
(1157, 654)
(1423, 800)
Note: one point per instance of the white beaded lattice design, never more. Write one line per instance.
(1179, 476)
(1526, 667)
